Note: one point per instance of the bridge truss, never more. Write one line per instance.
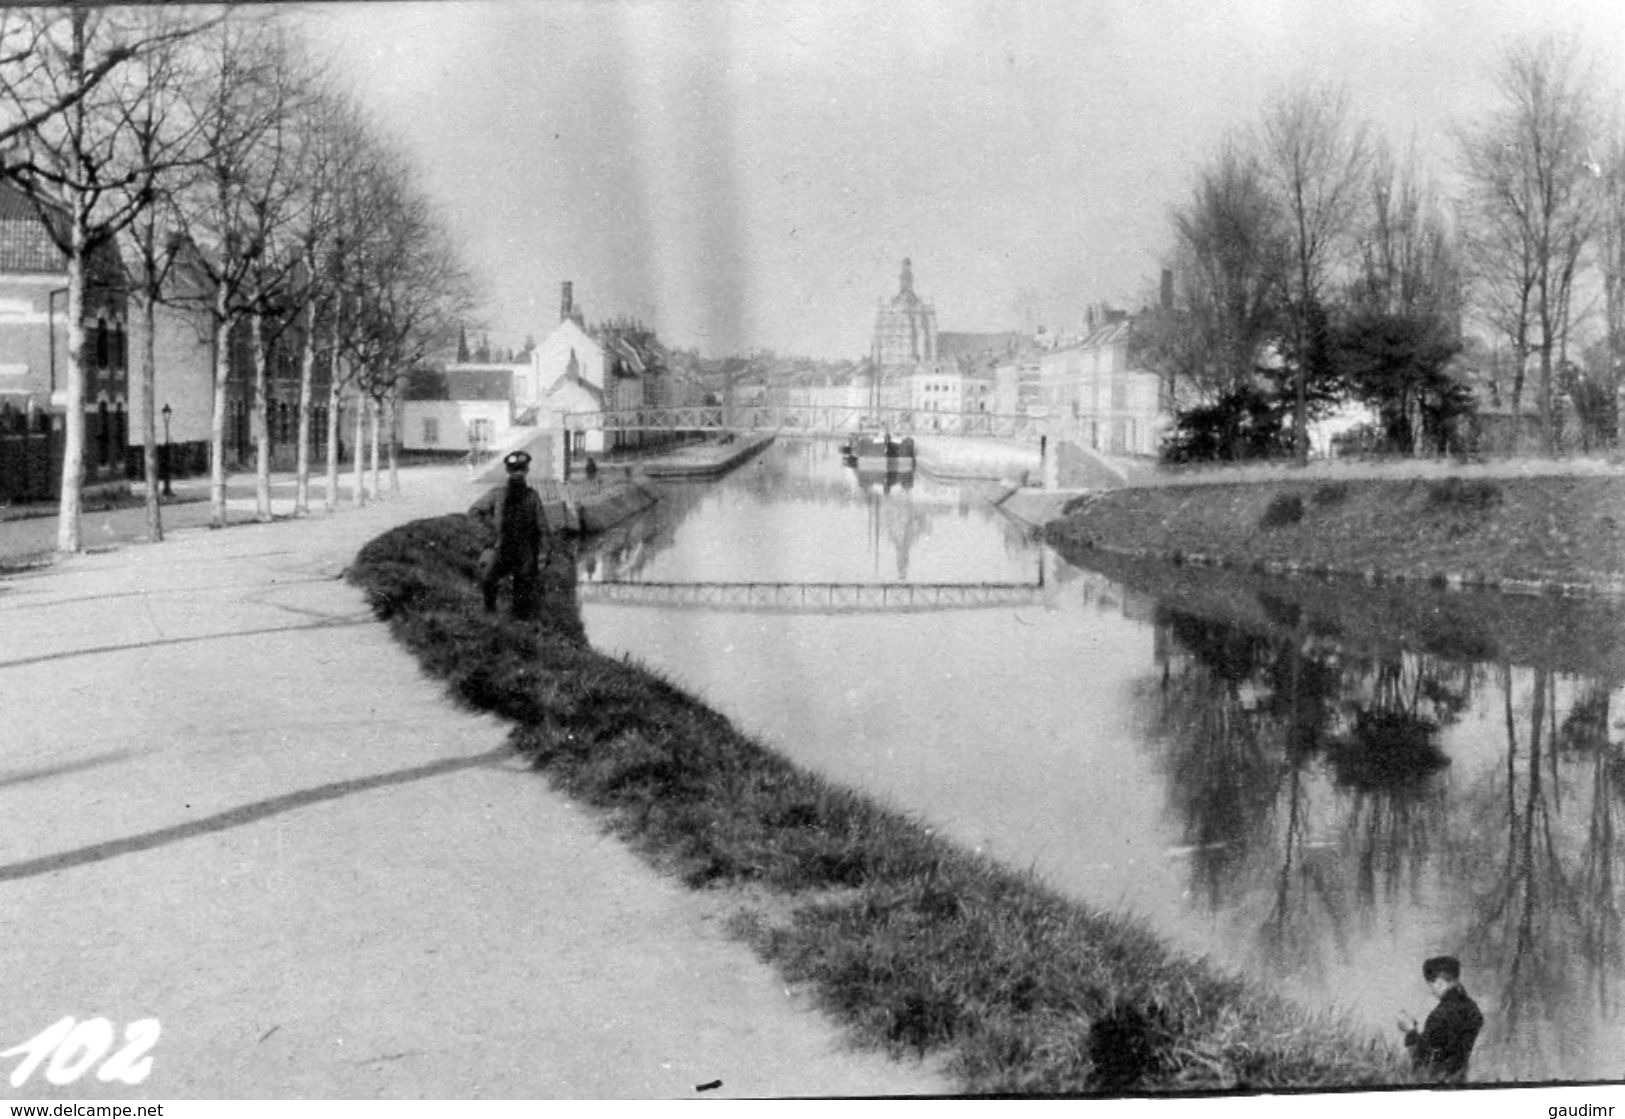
(810, 419)
(815, 598)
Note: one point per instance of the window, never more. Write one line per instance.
(431, 430)
(479, 431)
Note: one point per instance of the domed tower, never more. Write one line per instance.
(905, 327)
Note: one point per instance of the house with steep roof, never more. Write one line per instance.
(34, 354)
(611, 368)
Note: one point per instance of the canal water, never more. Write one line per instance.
(1316, 785)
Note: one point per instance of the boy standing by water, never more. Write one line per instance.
(515, 512)
(1440, 1049)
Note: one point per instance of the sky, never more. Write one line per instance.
(745, 174)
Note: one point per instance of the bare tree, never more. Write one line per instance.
(70, 156)
(1315, 157)
(407, 291)
(333, 135)
(159, 134)
(1530, 202)
(1611, 226)
(1228, 262)
(237, 207)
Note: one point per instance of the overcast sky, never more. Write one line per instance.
(751, 174)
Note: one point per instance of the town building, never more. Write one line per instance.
(950, 389)
(905, 334)
(616, 367)
(34, 354)
(183, 373)
(1095, 395)
(464, 408)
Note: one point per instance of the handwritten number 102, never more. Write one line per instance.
(68, 1048)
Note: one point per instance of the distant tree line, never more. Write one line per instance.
(1316, 266)
(242, 185)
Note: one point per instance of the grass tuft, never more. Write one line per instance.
(1284, 509)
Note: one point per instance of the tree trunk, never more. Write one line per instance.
(359, 497)
(149, 418)
(334, 395)
(334, 400)
(261, 421)
(307, 372)
(394, 448)
(73, 443)
(375, 409)
(217, 422)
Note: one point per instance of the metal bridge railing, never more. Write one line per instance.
(814, 597)
(809, 418)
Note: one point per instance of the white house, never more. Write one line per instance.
(465, 408)
(573, 371)
(551, 359)
(573, 393)
(1090, 388)
(945, 386)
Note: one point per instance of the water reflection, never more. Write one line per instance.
(1316, 784)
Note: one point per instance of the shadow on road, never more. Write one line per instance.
(242, 814)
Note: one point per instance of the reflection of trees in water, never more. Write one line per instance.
(1222, 776)
(1301, 777)
(1313, 751)
(1542, 888)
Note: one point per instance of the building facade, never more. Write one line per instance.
(34, 354)
(463, 409)
(617, 367)
(1091, 390)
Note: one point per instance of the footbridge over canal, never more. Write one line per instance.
(815, 598)
(810, 419)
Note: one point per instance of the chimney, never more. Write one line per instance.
(566, 303)
(1167, 289)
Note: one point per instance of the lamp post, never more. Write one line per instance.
(167, 491)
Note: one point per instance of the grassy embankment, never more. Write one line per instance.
(1550, 533)
(916, 945)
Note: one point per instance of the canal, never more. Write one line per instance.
(1317, 785)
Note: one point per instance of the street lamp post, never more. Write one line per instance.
(167, 491)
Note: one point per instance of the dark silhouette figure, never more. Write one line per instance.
(1440, 1049)
(592, 468)
(513, 512)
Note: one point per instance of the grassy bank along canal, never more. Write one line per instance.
(916, 944)
(1537, 533)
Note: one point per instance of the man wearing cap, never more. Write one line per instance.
(514, 510)
(1439, 1050)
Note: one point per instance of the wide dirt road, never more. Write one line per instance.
(235, 807)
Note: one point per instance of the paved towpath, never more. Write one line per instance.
(232, 804)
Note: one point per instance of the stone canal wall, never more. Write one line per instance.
(1545, 534)
(590, 509)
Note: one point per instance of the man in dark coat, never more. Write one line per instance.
(1439, 1050)
(514, 513)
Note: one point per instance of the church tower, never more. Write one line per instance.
(905, 328)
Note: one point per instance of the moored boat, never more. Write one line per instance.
(877, 451)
